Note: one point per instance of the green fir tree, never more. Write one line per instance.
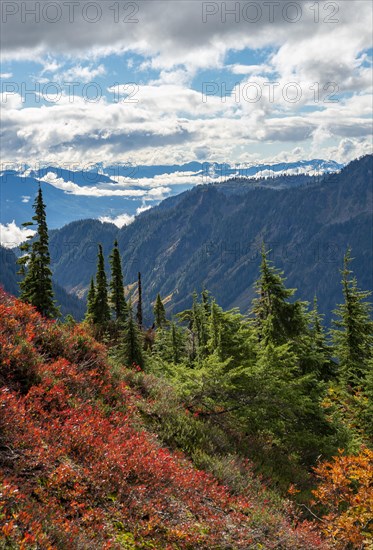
(159, 313)
(90, 301)
(353, 336)
(319, 351)
(139, 301)
(117, 299)
(277, 319)
(131, 347)
(101, 309)
(36, 285)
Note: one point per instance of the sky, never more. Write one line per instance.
(168, 82)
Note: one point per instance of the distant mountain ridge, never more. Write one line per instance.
(144, 185)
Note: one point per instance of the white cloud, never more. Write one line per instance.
(94, 191)
(124, 219)
(250, 69)
(178, 77)
(349, 149)
(158, 193)
(142, 209)
(119, 221)
(106, 190)
(83, 74)
(10, 100)
(11, 235)
(51, 66)
(161, 180)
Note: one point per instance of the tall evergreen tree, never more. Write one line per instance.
(159, 313)
(36, 286)
(139, 301)
(276, 318)
(353, 337)
(200, 323)
(117, 299)
(90, 301)
(177, 343)
(130, 350)
(101, 309)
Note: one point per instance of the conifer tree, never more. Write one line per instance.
(276, 318)
(101, 310)
(200, 324)
(170, 344)
(367, 413)
(139, 301)
(195, 327)
(187, 317)
(90, 301)
(130, 351)
(230, 335)
(290, 403)
(205, 295)
(70, 321)
(159, 313)
(117, 299)
(177, 343)
(215, 328)
(353, 337)
(36, 286)
(319, 352)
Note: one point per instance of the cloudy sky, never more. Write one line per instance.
(162, 82)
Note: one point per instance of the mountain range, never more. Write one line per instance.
(119, 192)
(210, 236)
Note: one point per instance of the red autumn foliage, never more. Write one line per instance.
(76, 471)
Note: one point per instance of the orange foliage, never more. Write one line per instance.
(346, 488)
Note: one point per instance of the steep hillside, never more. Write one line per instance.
(79, 470)
(211, 237)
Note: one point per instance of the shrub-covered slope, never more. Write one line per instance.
(78, 469)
